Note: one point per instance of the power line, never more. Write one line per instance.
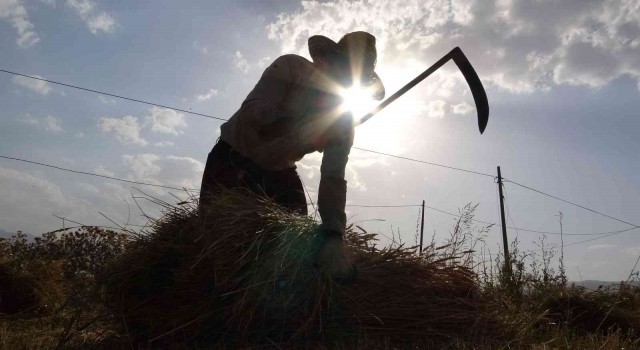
(218, 118)
(423, 162)
(223, 119)
(572, 203)
(110, 94)
(609, 233)
(533, 231)
(593, 239)
(97, 175)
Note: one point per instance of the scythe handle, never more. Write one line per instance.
(408, 86)
(470, 75)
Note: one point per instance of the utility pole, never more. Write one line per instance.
(505, 241)
(422, 228)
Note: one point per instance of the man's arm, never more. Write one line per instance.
(332, 194)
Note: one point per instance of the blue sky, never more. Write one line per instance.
(562, 78)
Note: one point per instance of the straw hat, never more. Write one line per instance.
(355, 46)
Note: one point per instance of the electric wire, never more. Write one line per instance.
(572, 203)
(110, 94)
(221, 119)
(94, 174)
(357, 148)
(606, 234)
(422, 161)
(602, 237)
(528, 230)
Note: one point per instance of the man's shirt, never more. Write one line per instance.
(294, 110)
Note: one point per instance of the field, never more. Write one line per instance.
(243, 276)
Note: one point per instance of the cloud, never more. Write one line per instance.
(38, 86)
(200, 48)
(166, 121)
(632, 250)
(240, 62)
(462, 108)
(435, 109)
(85, 9)
(126, 129)
(100, 170)
(48, 123)
(517, 46)
(28, 202)
(107, 101)
(600, 247)
(15, 12)
(204, 97)
(163, 144)
(101, 23)
(165, 170)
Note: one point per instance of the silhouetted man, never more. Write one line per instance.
(295, 109)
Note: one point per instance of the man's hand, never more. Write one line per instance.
(334, 259)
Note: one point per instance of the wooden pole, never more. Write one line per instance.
(422, 228)
(505, 241)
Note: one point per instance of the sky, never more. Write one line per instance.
(562, 79)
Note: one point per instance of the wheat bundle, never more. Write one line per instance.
(244, 273)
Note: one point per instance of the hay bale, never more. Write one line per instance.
(245, 274)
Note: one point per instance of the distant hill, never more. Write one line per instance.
(595, 284)
(7, 234)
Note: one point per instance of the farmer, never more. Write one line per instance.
(295, 109)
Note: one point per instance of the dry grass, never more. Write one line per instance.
(245, 275)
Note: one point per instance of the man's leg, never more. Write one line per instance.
(218, 172)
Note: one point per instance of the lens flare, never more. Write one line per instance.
(358, 101)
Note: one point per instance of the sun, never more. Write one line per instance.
(358, 101)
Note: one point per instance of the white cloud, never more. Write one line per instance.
(166, 170)
(263, 62)
(600, 247)
(435, 109)
(167, 121)
(126, 129)
(635, 251)
(86, 10)
(48, 123)
(462, 108)
(163, 144)
(519, 46)
(100, 170)
(204, 97)
(15, 12)
(107, 101)
(101, 23)
(240, 62)
(28, 202)
(39, 86)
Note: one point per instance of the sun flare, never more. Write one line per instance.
(358, 101)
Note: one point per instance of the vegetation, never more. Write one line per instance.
(244, 276)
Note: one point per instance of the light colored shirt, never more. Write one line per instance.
(293, 110)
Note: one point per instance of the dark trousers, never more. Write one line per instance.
(229, 169)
